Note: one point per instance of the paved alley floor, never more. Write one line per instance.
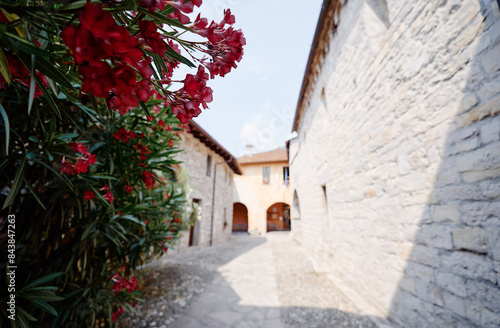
(248, 282)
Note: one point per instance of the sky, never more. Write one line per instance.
(255, 103)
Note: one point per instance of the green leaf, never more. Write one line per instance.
(33, 193)
(162, 19)
(26, 314)
(44, 279)
(27, 47)
(4, 67)
(16, 185)
(44, 306)
(53, 72)
(171, 52)
(7, 128)
(31, 96)
(45, 295)
(66, 136)
(144, 107)
(49, 98)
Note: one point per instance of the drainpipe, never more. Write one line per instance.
(213, 200)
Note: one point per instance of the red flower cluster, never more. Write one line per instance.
(226, 44)
(151, 38)
(20, 74)
(128, 189)
(82, 163)
(117, 313)
(143, 149)
(183, 6)
(99, 38)
(194, 93)
(120, 283)
(88, 194)
(147, 178)
(124, 135)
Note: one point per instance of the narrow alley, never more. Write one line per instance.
(248, 282)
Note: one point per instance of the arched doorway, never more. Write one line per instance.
(278, 217)
(240, 217)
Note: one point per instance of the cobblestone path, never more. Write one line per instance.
(249, 282)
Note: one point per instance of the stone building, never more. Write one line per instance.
(208, 169)
(262, 193)
(395, 170)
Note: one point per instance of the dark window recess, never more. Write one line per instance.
(266, 174)
(209, 165)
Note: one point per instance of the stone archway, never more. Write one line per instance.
(240, 217)
(278, 217)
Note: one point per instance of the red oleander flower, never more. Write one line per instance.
(182, 6)
(117, 313)
(81, 166)
(151, 38)
(128, 189)
(78, 147)
(153, 5)
(147, 178)
(161, 123)
(105, 188)
(67, 167)
(171, 143)
(109, 197)
(89, 159)
(124, 135)
(88, 194)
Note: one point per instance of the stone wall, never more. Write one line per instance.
(397, 161)
(194, 158)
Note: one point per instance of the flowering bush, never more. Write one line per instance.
(89, 118)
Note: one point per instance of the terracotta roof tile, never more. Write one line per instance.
(277, 155)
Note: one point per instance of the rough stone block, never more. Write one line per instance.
(468, 101)
(454, 303)
(475, 176)
(480, 213)
(485, 158)
(408, 285)
(470, 238)
(490, 130)
(491, 108)
(435, 236)
(459, 192)
(493, 238)
(470, 265)
(451, 283)
(425, 255)
(491, 60)
(446, 213)
(434, 295)
(486, 294)
(490, 189)
(421, 289)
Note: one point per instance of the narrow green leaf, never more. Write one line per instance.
(171, 52)
(33, 193)
(144, 107)
(26, 314)
(66, 136)
(49, 98)
(4, 67)
(16, 185)
(27, 47)
(7, 128)
(44, 306)
(52, 72)
(22, 321)
(44, 279)
(31, 96)
(162, 19)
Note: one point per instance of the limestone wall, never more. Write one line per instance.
(397, 162)
(194, 158)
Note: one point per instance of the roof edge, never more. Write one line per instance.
(202, 135)
(326, 13)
